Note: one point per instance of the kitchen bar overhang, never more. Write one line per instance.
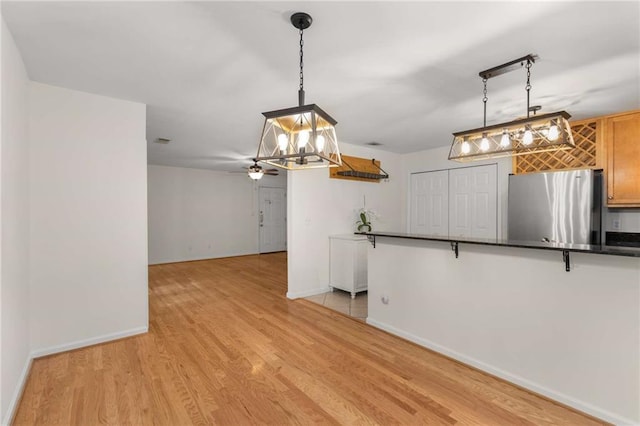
(564, 248)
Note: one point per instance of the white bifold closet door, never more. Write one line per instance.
(429, 203)
(473, 202)
(456, 202)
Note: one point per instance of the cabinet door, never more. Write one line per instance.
(623, 152)
(429, 213)
(341, 273)
(473, 195)
(360, 265)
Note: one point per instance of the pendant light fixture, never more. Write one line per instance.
(301, 137)
(545, 132)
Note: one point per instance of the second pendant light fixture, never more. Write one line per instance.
(545, 132)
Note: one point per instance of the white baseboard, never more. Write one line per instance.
(197, 258)
(534, 387)
(307, 293)
(17, 394)
(88, 342)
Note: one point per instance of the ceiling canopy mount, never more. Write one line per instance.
(301, 20)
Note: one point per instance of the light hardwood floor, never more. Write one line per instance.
(225, 346)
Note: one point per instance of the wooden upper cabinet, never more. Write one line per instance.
(623, 159)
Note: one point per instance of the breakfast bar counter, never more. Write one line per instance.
(510, 309)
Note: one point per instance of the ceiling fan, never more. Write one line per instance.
(256, 172)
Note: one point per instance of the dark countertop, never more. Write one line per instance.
(578, 248)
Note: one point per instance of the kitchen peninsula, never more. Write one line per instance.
(512, 309)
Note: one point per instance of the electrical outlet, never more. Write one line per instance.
(615, 224)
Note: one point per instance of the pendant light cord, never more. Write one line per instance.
(301, 89)
(528, 86)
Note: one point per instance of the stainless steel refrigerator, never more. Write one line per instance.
(562, 207)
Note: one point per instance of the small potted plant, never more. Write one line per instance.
(364, 222)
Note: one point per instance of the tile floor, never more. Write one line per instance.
(341, 301)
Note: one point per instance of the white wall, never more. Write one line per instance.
(88, 199)
(319, 206)
(573, 336)
(14, 227)
(436, 159)
(628, 220)
(203, 214)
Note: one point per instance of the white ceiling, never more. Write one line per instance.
(404, 74)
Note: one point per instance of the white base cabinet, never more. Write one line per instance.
(348, 263)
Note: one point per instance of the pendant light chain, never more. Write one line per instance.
(484, 100)
(528, 86)
(301, 61)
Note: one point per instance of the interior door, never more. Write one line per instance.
(273, 219)
(473, 202)
(429, 210)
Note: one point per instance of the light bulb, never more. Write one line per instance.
(465, 148)
(505, 141)
(553, 131)
(484, 144)
(528, 136)
(303, 138)
(319, 143)
(283, 141)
